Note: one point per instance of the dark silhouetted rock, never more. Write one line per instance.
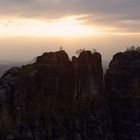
(55, 99)
(122, 82)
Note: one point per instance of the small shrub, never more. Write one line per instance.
(94, 50)
(60, 48)
(79, 51)
(133, 48)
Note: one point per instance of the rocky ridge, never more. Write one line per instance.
(122, 85)
(55, 99)
(58, 99)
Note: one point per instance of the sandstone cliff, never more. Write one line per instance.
(122, 84)
(55, 99)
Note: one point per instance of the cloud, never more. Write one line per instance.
(123, 14)
(126, 8)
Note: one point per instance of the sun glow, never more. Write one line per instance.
(64, 27)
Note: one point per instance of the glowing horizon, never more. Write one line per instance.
(64, 27)
(28, 28)
(67, 27)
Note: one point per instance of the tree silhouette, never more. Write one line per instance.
(133, 48)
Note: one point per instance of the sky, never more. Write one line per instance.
(31, 27)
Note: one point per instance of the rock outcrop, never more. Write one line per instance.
(55, 99)
(58, 99)
(122, 83)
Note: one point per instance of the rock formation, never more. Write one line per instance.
(58, 99)
(122, 84)
(55, 99)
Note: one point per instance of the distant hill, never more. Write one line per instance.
(7, 64)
